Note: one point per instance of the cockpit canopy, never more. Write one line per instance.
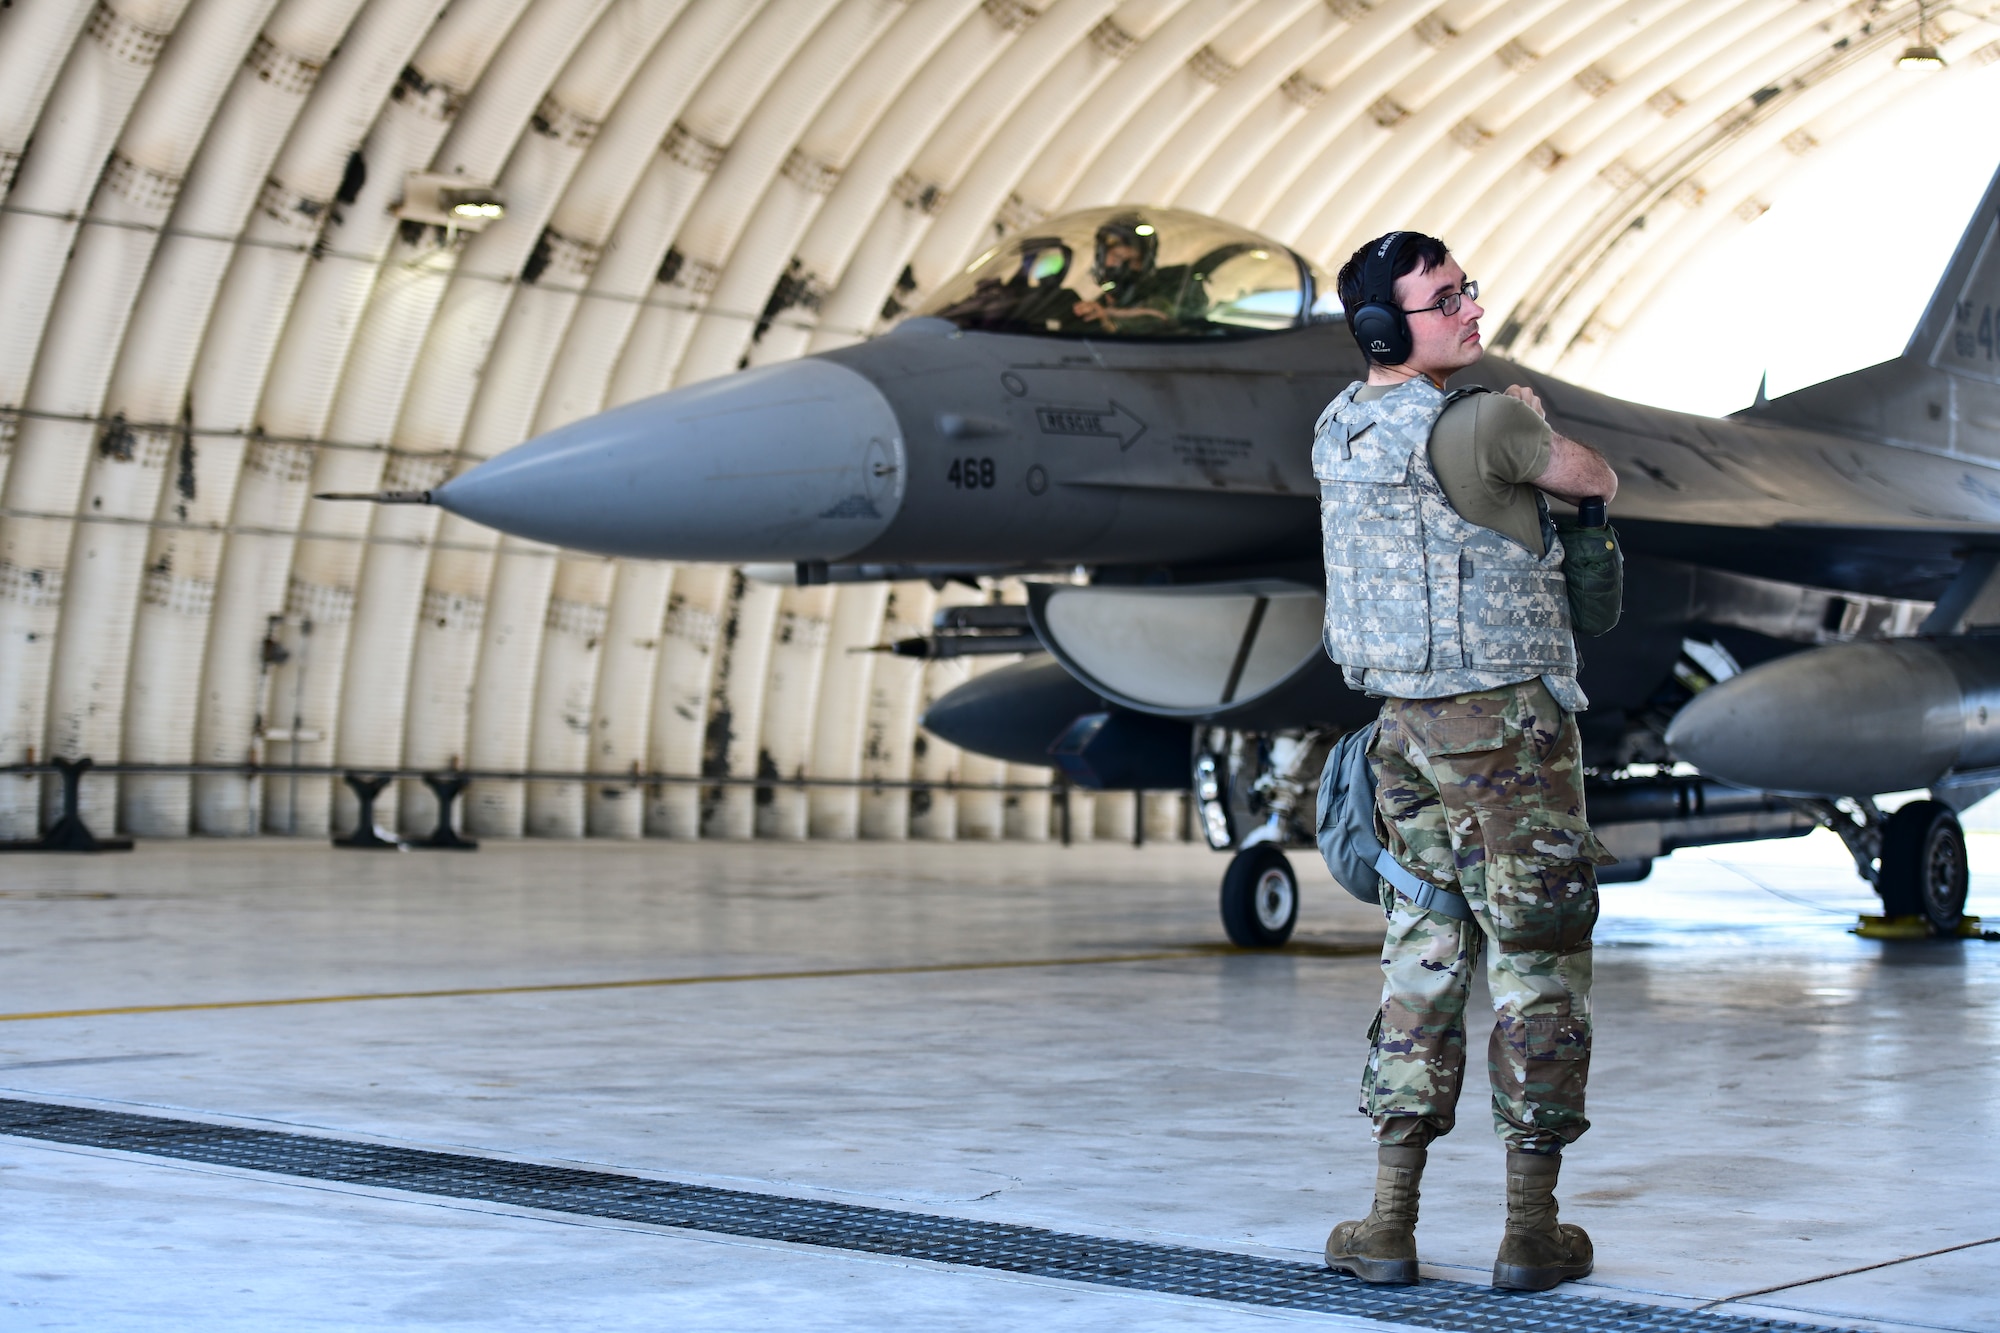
(1131, 272)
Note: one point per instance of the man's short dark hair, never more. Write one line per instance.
(1416, 252)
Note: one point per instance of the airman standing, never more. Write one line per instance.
(1446, 597)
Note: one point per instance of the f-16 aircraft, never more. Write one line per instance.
(1123, 399)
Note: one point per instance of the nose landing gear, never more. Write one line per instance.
(1255, 792)
(1260, 898)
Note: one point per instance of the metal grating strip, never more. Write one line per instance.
(1173, 1269)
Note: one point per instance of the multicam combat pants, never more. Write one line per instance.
(1483, 794)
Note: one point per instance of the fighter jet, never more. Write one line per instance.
(1123, 400)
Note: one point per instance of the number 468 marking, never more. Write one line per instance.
(971, 474)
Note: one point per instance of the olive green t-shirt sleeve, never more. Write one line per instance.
(1486, 449)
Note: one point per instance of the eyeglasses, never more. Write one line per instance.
(1449, 303)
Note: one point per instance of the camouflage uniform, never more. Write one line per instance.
(1479, 782)
(1482, 793)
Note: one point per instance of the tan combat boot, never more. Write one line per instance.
(1537, 1252)
(1382, 1247)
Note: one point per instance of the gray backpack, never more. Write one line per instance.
(1347, 838)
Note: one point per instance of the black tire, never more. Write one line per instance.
(1260, 898)
(1923, 869)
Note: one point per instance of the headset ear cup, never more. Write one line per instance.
(1383, 333)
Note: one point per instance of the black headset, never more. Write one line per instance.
(1379, 324)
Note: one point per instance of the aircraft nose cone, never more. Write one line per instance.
(798, 461)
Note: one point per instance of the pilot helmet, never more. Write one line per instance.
(1127, 229)
(1043, 262)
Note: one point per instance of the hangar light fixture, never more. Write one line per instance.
(439, 199)
(1921, 57)
(474, 204)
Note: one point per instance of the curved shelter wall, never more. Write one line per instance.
(216, 306)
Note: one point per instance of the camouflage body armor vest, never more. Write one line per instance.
(1421, 603)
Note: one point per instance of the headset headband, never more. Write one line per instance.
(1378, 275)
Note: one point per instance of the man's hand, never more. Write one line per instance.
(1095, 310)
(1522, 393)
(1110, 316)
(1575, 471)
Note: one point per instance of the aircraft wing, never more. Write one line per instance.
(1880, 481)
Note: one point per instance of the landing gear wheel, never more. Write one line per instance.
(1923, 865)
(1260, 898)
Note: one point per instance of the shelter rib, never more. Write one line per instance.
(215, 309)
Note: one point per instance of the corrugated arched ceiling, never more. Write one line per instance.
(218, 300)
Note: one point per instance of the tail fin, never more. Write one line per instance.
(1943, 392)
(1960, 331)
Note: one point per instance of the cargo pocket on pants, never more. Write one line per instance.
(1557, 1045)
(1541, 879)
(1557, 1037)
(1371, 1072)
(1551, 1057)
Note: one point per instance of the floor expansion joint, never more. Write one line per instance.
(1005, 1247)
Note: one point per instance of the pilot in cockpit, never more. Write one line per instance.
(1032, 295)
(1133, 294)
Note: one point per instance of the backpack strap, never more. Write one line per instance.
(1426, 895)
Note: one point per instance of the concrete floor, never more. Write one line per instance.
(1776, 1101)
